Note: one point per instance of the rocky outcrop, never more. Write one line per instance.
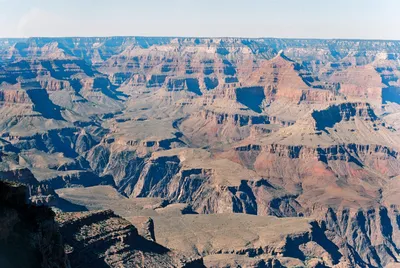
(110, 241)
(155, 176)
(9, 97)
(77, 178)
(55, 140)
(168, 177)
(336, 152)
(262, 241)
(343, 112)
(29, 235)
(105, 239)
(148, 227)
(209, 127)
(55, 85)
(189, 84)
(36, 192)
(367, 237)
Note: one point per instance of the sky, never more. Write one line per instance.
(347, 19)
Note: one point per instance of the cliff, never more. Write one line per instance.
(267, 127)
(102, 239)
(30, 237)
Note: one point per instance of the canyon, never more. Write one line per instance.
(204, 152)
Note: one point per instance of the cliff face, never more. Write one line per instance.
(369, 237)
(29, 234)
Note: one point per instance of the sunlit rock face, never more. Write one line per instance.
(300, 130)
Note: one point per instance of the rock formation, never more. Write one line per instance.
(29, 234)
(102, 239)
(168, 128)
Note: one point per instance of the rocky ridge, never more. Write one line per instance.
(281, 127)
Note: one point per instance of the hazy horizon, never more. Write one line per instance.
(293, 19)
(200, 37)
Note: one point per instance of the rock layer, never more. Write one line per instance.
(268, 127)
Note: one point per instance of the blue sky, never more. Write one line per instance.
(365, 19)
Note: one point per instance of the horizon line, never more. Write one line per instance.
(199, 37)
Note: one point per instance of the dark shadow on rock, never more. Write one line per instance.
(386, 224)
(193, 86)
(292, 248)
(252, 97)
(144, 245)
(318, 235)
(391, 94)
(44, 105)
(67, 206)
(250, 204)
